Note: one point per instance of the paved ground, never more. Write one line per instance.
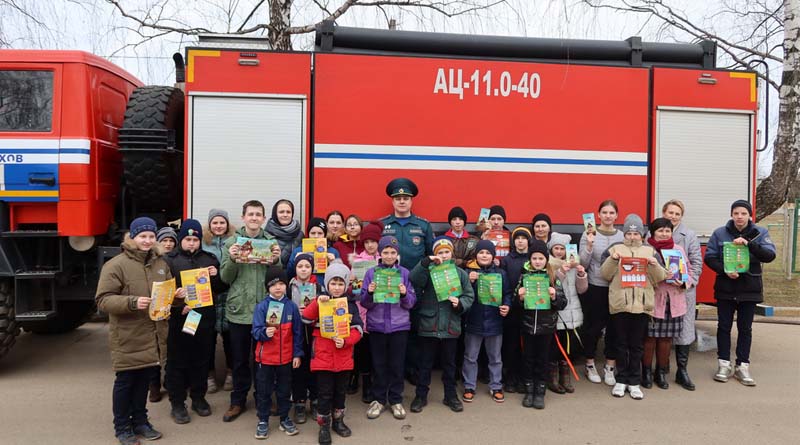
(58, 390)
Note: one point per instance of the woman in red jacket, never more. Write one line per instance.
(332, 358)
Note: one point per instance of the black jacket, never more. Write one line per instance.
(513, 264)
(539, 322)
(179, 260)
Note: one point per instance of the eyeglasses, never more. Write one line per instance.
(354, 225)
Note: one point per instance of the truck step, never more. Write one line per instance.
(35, 316)
(29, 234)
(35, 274)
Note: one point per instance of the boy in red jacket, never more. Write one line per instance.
(278, 331)
(332, 359)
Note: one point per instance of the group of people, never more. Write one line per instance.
(484, 330)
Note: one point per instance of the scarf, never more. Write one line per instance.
(285, 233)
(664, 244)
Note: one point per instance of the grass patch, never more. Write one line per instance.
(778, 291)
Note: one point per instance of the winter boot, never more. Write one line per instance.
(300, 412)
(660, 378)
(538, 395)
(552, 383)
(564, 377)
(647, 376)
(682, 376)
(366, 388)
(324, 437)
(527, 400)
(338, 424)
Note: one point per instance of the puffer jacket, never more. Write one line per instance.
(634, 300)
(463, 247)
(324, 354)
(387, 318)
(135, 341)
(180, 260)
(439, 319)
(535, 321)
(593, 260)
(572, 315)
(246, 282)
(748, 287)
(485, 320)
(675, 295)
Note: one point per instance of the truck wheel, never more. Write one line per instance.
(71, 314)
(152, 167)
(9, 329)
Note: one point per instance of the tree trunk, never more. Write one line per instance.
(776, 188)
(279, 22)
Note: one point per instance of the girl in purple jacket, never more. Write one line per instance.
(389, 323)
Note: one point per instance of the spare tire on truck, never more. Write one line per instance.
(151, 143)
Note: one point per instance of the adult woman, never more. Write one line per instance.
(335, 227)
(285, 228)
(594, 302)
(542, 227)
(218, 231)
(685, 237)
(350, 243)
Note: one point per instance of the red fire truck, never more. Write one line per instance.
(538, 125)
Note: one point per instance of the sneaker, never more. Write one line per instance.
(591, 374)
(724, 371)
(179, 414)
(212, 385)
(375, 409)
(469, 395)
(743, 375)
(497, 395)
(618, 390)
(636, 392)
(228, 385)
(262, 430)
(398, 411)
(127, 438)
(288, 427)
(609, 375)
(147, 432)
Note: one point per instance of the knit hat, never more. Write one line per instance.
(142, 224)
(742, 203)
(166, 232)
(537, 246)
(541, 217)
(213, 213)
(388, 241)
(190, 227)
(372, 232)
(442, 242)
(316, 222)
(497, 210)
(659, 223)
(305, 256)
(558, 239)
(521, 231)
(275, 275)
(485, 244)
(337, 270)
(457, 212)
(633, 223)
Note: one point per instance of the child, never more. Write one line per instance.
(485, 324)
(538, 326)
(136, 341)
(304, 385)
(439, 326)
(463, 243)
(167, 238)
(279, 349)
(512, 346)
(370, 237)
(189, 355)
(574, 281)
(315, 229)
(332, 359)
(670, 307)
(389, 324)
(630, 307)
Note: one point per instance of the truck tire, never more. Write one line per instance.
(154, 177)
(9, 329)
(71, 314)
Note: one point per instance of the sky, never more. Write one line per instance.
(97, 27)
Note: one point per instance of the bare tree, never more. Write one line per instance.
(746, 31)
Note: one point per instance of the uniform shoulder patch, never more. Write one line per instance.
(422, 219)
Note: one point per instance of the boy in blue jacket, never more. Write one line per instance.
(278, 331)
(485, 321)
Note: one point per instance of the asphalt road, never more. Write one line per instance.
(57, 389)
